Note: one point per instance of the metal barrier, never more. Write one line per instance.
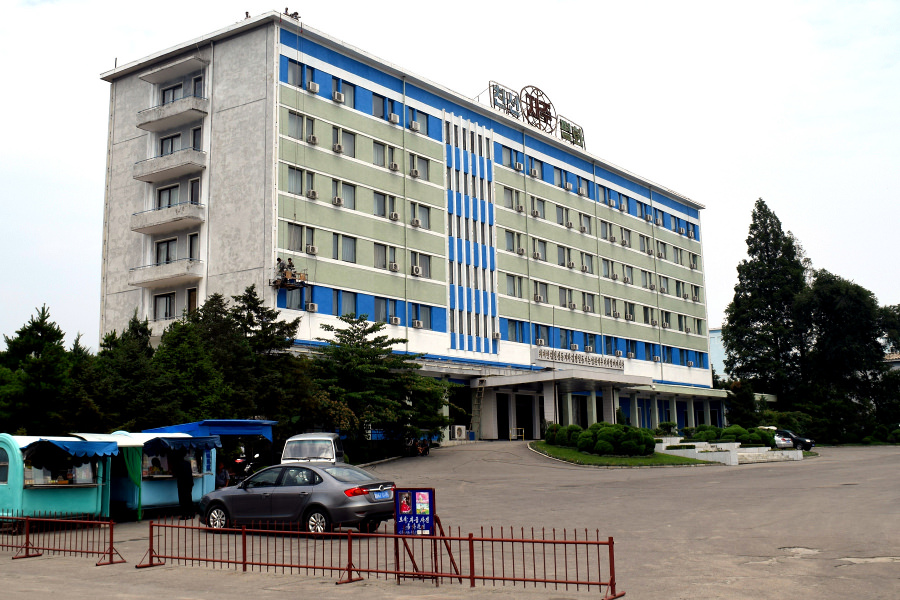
(59, 533)
(556, 558)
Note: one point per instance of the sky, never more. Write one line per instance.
(724, 102)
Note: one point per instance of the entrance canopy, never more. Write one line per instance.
(211, 427)
(162, 445)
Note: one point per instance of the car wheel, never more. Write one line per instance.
(317, 521)
(369, 526)
(217, 517)
(798, 446)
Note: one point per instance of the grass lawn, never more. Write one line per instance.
(573, 455)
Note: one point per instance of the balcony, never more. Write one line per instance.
(168, 219)
(186, 161)
(174, 70)
(173, 114)
(170, 274)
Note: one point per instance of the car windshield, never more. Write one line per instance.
(349, 474)
(309, 449)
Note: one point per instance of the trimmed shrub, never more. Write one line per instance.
(603, 447)
(572, 433)
(894, 437)
(688, 432)
(755, 439)
(734, 430)
(585, 441)
(631, 448)
(668, 427)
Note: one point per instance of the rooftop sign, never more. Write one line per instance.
(534, 107)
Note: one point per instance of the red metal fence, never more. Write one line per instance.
(58, 533)
(569, 559)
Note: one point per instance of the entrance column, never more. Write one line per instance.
(673, 412)
(635, 418)
(592, 408)
(550, 407)
(567, 409)
(690, 415)
(610, 401)
(536, 418)
(654, 412)
(706, 414)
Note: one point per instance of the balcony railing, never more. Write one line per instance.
(173, 114)
(168, 218)
(176, 164)
(166, 274)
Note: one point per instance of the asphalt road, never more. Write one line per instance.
(823, 528)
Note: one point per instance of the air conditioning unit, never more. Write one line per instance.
(659, 254)
(416, 223)
(539, 342)
(533, 172)
(538, 298)
(687, 329)
(338, 97)
(614, 276)
(417, 324)
(616, 315)
(569, 224)
(393, 267)
(394, 118)
(416, 270)
(312, 195)
(496, 335)
(624, 242)
(613, 239)
(626, 280)
(690, 363)
(519, 166)
(583, 229)
(618, 354)
(656, 358)
(622, 206)
(588, 348)
(695, 298)
(535, 213)
(394, 216)
(459, 432)
(665, 325)
(312, 87)
(693, 265)
(339, 148)
(582, 191)
(659, 221)
(685, 296)
(681, 230)
(652, 286)
(395, 320)
(520, 208)
(520, 251)
(586, 308)
(414, 126)
(536, 255)
(691, 234)
(572, 305)
(310, 249)
(629, 317)
(584, 268)
(630, 355)
(394, 167)
(312, 307)
(654, 323)
(414, 173)
(663, 291)
(312, 139)
(648, 218)
(337, 201)
(649, 251)
(611, 203)
(568, 186)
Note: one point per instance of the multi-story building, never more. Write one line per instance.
(558, 286)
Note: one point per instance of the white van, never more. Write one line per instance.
(318, 447)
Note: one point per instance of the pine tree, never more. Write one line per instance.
(762, 340)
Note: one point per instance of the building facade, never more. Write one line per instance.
(559, 287)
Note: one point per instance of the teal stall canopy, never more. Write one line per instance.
(163, 445)
(221, 427)
(42, 451)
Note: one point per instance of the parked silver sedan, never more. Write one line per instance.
(318, 496)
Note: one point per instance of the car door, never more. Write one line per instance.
(289, 499)
(253, 500)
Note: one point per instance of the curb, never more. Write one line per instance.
(622, 466)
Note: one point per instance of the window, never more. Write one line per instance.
(295, 125)
(344, 302)
(507, 156)
(645, 243)
(514, 331)
(421, 312)
(343, 247)
(680, 288)
(514, 286)
(384, 205)
(345, 192)
(587, 301)
(537, 207)
(695, 261)
(565, 296)
(510, 198)
(695, 292)
(607, 267)
(421, 118)
(294, 73)
(661, 249)
(378, 154)
(666, 317)
(663, 284)
(422, 213)
(677, 256)
(381, 310)
(423, 261)
(542, 332)
(540, 289)
(198, 86)
(166, 197)
(562, 215)
(421, 164)
(629, 310)
(4, 466)
(648, 315)
(585, 221)
(646, 279)
(170, 144)
(610, 345)
(609, 306)
(590, 341)
(558, 177)
(164, 307)
(197, 138)
(384, 255)
(587, 263)
(194, 246)
(667, 355)
(295, 181)
(540, 249)
(604, 230)
(349, 91)
(628, 272)
(377, 106)
(194, 191)
(511, 241)
(698, 326)
(295, 235)
(347, 140)
(192, 299)
(631, 347)
(626, 237)
(537, 166)
(165, 251)
(566, 338)
(171, 94)
(681, 320)
(562, 255)
(623, 203)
